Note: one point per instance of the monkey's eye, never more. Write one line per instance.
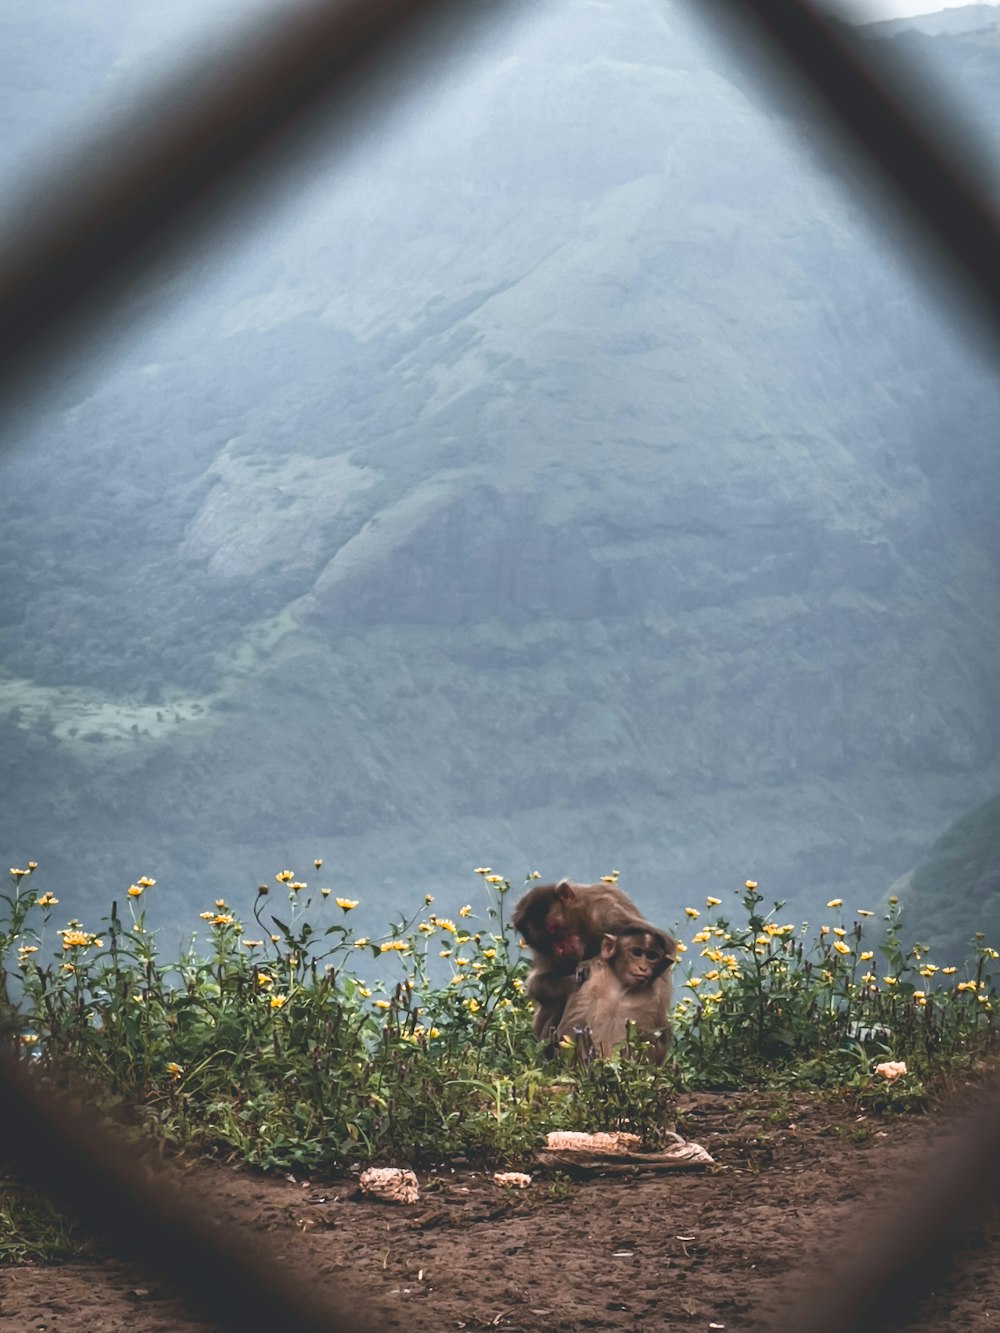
(651, 954)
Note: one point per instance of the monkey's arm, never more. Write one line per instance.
(547, 986)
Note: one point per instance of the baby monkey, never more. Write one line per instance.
(629, 982)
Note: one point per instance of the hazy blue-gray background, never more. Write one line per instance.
(572, 476)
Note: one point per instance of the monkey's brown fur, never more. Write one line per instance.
(628, 983)
(564, 924)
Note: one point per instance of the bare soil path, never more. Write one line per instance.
(796, 1182)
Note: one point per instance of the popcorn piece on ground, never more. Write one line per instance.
(514, 1179)
(391, 1184)
(574, 1140)
(891, 1069)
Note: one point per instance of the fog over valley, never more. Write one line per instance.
(571, 473)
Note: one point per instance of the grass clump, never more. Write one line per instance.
(777, 1008)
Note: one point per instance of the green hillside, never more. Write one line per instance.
(955, 890)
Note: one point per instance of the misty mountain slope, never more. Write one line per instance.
(570, 481)
(955, 890)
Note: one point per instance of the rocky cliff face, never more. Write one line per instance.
(579, 479)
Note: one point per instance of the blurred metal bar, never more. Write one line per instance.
(938, 192)
(130, 198)
(897, 1255)
(228, 1275)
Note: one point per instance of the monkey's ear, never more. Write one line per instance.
(609, 943)
(565, 891)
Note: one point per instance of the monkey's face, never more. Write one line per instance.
(638, 959)
(560, 940)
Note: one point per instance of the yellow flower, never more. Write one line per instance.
(867, 956)
(702, 937)
(318, 862)
(25, 950)
(224, 919)
(868, 978)
(919, 995)
(749, 883)
(75, 939)
(393, 946)
(862, 912)
(135, 890)
(472, 1005)
(278, 1000)
(493, 879)
(712, 976)
(966, 985)
(284, 877)
(824, 930)
(434, 1032)
(928, 970)
(772, 928)
(174, 1069)
(68, 967)
(346, 904)
(362, 943)
(835, 902)
(713, 902)
(206, 916)
(252, 944)
(489, 953)
(948, 971)
(144, 882)
(839, 931)
(19, 874)
(445, 924)
(694, 983)
(32, 865)
(893, 902)
(297, 885)
(364, 992)
(382, 1004)
(611, 877)
(841, 947)
(425, 928)
(263, 979)
(482, 870)
(325, 893)
(466, 910)
(29, 1038)
(692, 912)
(890, 981)
(47, 900)
(461, 962)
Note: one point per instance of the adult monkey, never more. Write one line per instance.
(628, 983)
(564, 924)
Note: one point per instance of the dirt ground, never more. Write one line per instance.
(755, 1242)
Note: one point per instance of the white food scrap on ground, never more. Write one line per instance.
(891, 1069)
(391, 1184)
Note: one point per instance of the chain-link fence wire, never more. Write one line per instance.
(63, 267)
